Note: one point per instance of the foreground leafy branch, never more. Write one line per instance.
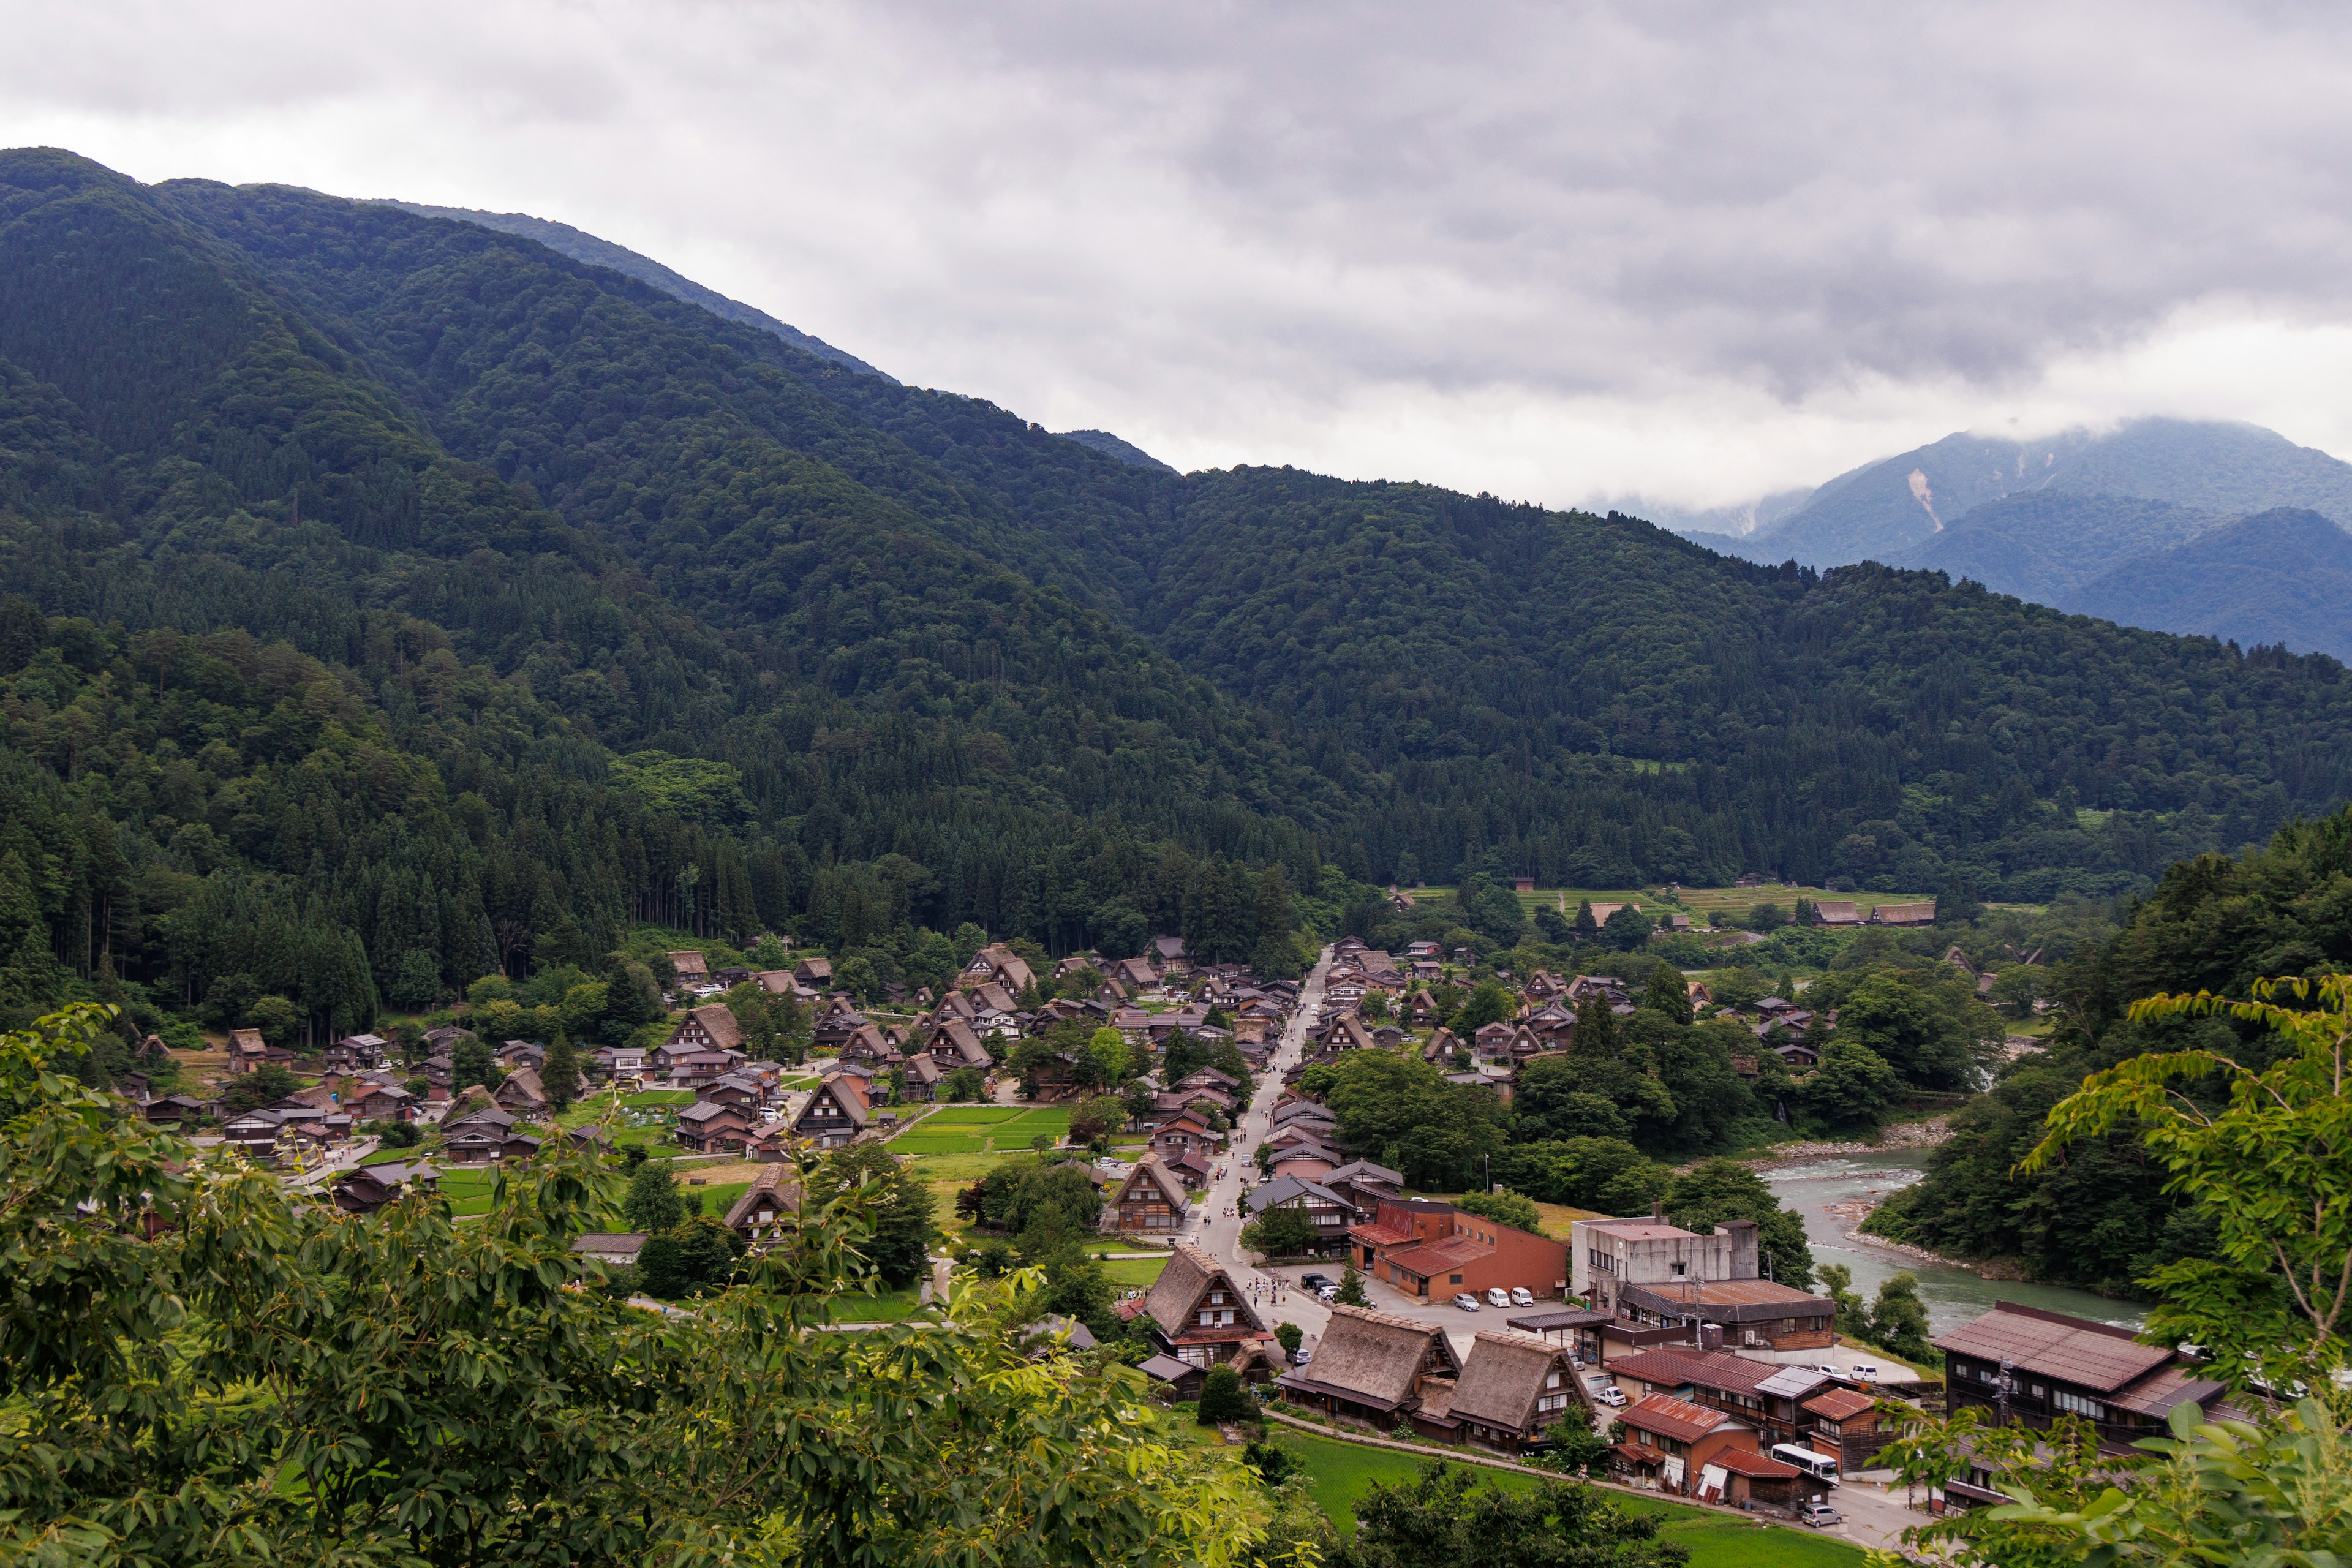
(2272, 1167)
(198, 1366)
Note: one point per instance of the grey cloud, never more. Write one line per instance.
(1218, 211)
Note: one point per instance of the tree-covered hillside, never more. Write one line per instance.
(907, 727)
(677, 622)
(2282, 577)
(2101, 1216)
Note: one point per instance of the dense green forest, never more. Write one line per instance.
(392, 600)
(2101, 1218)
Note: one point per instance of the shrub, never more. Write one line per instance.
(1223, 1397)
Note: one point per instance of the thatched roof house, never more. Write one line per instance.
(1512, 1387)
(1374, 1366)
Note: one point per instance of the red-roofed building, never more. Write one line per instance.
(1700, 1453)
(1848, 1426)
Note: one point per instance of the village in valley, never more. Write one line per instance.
(1181, 1136)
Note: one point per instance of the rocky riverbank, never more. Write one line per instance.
(1899, 1135)
(1850, 1213)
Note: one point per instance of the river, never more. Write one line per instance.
(1953, 1295)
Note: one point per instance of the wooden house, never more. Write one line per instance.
(954, 1044)
(764, 1215)
(1513, 1388)
(1375, 1367)
(999, 964)
(836, 1111)
(1149, 1201)
(708, 1127)
(1691, 1451)
(1196, 1313)
(710, 1028)
(371, 1187)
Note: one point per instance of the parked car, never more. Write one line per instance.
(1522, 1296)
(1313, 1281)
(1306, 1354)
(1609, 1393)
(1860, 1373)
(1328, 1293)
(1466, 1301)
(1498, 1297)
(1820, 1515)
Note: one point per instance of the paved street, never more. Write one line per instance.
(320, 1177)
(1219, 1233)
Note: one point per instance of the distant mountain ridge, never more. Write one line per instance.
(2148, 512)
(2045, 544)
(1884, 508)
(2281, 578)
(1111, 445)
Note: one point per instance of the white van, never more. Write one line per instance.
(1821, 1466)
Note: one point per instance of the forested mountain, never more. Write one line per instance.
(2283, 578)
(529, 599)
(2043, 545)
(566, 240)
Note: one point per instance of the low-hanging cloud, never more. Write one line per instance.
(1684, 247)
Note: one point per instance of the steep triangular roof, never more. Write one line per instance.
(1377, 1357)
(1503, 1376)
(1189, 1274)
(779, 1186)
(1152, 1173)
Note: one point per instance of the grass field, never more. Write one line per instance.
(1132, 1273)
(983, 1128)
(716, 1200)
(885, 1307)
(1344, 1472)
(468, 1188)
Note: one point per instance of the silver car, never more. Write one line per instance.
(1466, 1301)
(1820, 1515)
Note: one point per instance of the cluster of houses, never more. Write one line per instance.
(1718, 1383)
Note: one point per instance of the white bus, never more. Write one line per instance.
(1821, 1466)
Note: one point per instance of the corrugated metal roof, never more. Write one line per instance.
(1756, 1467)
(1670, 1417)
(1793, 1382)
(1840, 1404)
(2071, 1349)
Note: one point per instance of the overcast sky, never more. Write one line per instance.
(1692, 251)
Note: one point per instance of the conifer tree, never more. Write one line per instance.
(559, 1076)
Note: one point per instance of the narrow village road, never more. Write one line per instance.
(1219, 1233)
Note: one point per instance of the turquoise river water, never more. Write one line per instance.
(1953, 1295)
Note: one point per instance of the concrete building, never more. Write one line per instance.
(1659, 1282)
(1611, 1254)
